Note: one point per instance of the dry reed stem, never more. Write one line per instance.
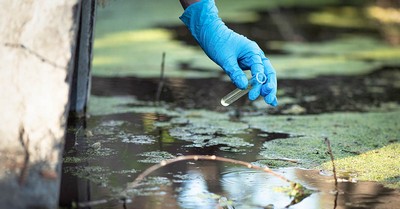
(328, 144)
(162, 79)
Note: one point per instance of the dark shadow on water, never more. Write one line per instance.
(322, 94)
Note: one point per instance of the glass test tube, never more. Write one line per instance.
(237, 93)
(233, 96)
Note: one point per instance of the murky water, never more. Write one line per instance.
(105, 153)
(127, 133)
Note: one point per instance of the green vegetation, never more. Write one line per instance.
(130, 42)
(361, 142)
(356, 138)
(155, 156)
(382, 165)
(349, 133)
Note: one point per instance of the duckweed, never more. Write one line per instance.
(382, 165)
(155, 156)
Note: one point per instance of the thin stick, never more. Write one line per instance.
(328, 144)
(161, 84)
(163, 163)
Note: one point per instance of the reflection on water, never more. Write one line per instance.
(195, 192)
(100, 162)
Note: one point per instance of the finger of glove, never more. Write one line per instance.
(269, 89)
(256, 69)
(236, 74)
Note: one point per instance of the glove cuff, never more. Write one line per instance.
(198, 16)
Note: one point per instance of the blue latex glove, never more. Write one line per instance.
(233, 52)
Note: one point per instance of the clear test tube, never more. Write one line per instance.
(237, 93)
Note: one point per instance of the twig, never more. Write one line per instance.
(336, 200)
(163, 163)
(161, 83)
(328, 144)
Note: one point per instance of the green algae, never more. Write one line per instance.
(109, 131)
(96, 174)
(342, 17)
(206, 128)
(123, 47)
(151, 186)
(136, 139)
(227, 144)
(157, 180)
(73, 160)
(381, 165)
(234, 142)
(181, 178)
(347, 45)
(123, 15)
(348, 55)
(134, 51)
(99, 105)
(109, 105)
(294, 66)
(344, 56)
(89, 154)
(351, 134)
(155, 156)
(130, 171)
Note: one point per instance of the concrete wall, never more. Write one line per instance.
(37, 40)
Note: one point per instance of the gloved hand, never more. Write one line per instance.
(231, 51)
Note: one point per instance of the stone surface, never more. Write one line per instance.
(36, 46)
